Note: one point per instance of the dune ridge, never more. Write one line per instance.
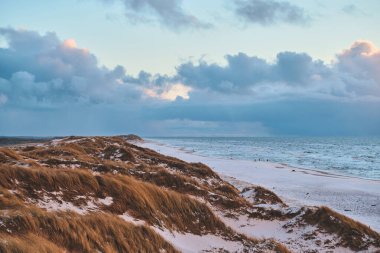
(105, 194)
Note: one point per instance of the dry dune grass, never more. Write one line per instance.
(53, 231)
(156, 205)
(353, 234)
(9, 201)
(144, 200)
(9, 155)
(224, 195)
(278, 247)
(62, 152)
(263, 196)
(100, 231)
(28, 243)
(123, 153)
(193, 169)
(177, 182)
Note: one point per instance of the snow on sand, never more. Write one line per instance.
(353, 197)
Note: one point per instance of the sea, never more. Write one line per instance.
(349, 156)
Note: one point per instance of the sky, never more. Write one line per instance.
(190, 68)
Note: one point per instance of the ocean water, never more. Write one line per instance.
(356, 156)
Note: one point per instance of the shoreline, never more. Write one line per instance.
(357, 198)
(323, 172)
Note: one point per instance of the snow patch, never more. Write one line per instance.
(107, 201)
(127, 217)
(190, 243)
(56, 203)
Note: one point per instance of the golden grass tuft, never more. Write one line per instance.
(153, 204)
(174, 181)
(192, 169)
(29, 243)
(279, 247)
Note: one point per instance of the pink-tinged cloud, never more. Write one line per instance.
(362, 48)
(170, 92)
(71, 43)
(42, 69)
(362, 61)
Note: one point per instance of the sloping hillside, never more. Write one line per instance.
(104, 194)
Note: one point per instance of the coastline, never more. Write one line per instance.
(110, 182)
(356, 198)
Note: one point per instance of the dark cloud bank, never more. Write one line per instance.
(269, 12)
(54, 87)
(170, 14)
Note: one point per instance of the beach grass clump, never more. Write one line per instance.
(353, 234)
(8, 155)
(262, 195)
(28, 243)
(35, 230)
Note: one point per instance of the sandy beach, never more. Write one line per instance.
(354, 197)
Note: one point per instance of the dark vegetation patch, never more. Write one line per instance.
(8, 141)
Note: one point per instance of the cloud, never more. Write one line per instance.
(43, 70)
(55, 87)
(242, 72)
(359, 68)
(362, 60)
(354, 74)
(70, 43)
(352, 9)
(166, 12)
(3, 99)
(270, 12)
